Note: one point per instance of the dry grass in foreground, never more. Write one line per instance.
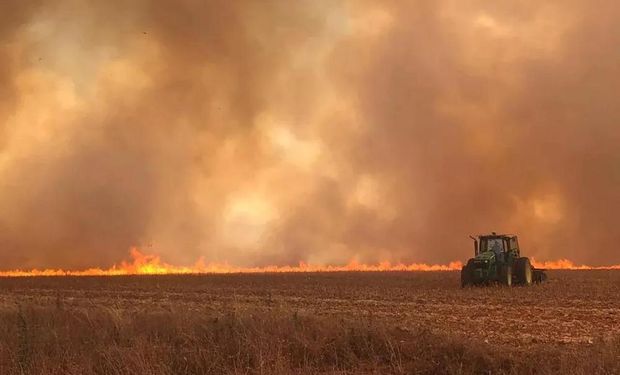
(58, 340)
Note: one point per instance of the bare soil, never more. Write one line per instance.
(574, 312)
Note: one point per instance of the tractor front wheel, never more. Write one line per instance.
(466, 276)
(523, 268)
(506, 275)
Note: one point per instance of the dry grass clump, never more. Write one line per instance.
(106, 340)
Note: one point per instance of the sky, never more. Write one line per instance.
(275, 132)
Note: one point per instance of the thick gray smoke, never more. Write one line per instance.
(321, 131)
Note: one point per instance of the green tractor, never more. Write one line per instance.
(498, 259)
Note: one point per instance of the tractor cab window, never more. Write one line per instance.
(495, 245)
(513, 243)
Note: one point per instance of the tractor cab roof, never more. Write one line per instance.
(496, 235)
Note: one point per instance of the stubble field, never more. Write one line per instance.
(393, 322)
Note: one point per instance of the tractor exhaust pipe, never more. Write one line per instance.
(475, 244)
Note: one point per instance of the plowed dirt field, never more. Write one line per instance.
(572, 307)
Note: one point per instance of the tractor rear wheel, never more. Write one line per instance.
(505, 275)
(523, 269)
(466, 279)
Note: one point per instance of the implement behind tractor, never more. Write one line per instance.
(498, 259)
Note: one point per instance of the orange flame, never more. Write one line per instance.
(565, 264)
(145, 264)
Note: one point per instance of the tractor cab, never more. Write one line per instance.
(504, 247)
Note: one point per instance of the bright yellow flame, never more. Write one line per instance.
(143, 264)
(565, 264)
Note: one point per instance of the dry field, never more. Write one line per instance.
(395, 322)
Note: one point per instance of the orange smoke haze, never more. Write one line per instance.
(284, 132)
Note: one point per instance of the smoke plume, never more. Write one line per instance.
(275, 132)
